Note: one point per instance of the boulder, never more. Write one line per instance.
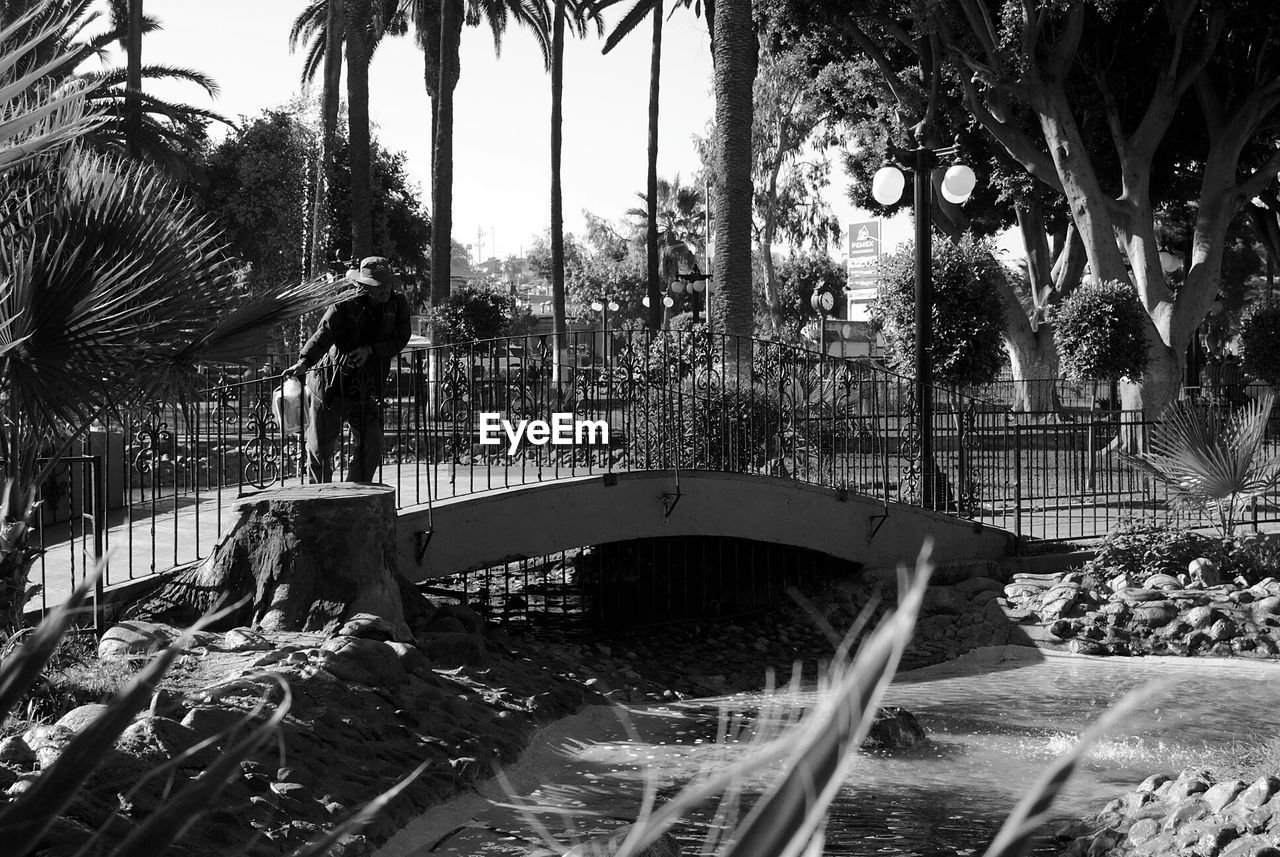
(944, 600)
(15, 751)
(1137, 595)
(158, 739)
(1200, 618)
(1268, 606)
(1058, 602)
(894, 728)
(451, 650)
(1163, 581)
(245, 640)
(1221, 794)
(1204, 572)
(364, 661)
(1223, 630)
(1154, 614)
(413, 659)
(78, 718)
(135, 639)
(368, 627)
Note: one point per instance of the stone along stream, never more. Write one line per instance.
(993, 726)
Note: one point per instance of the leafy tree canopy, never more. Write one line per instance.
(261, 180)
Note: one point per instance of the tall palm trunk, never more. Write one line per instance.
(335, 35)
(133, 82)
(733, 49)
(557, 202)
(358, 19)
(651, 186)
(442, 156)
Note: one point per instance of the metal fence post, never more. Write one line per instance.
(99, 489)
(1017, 488)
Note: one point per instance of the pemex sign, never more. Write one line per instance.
(863, 254)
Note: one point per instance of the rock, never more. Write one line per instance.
(1063, 629)
(48, 742)
(1152, 783)
(1263, 607)
(244, 640)
(944, 600)
(1163, 581)
(1136, 595)
(1223, 793)
(158, 739)
(1254, 845)
(894, 728)
(1086, 647)
(608, 845)
(135, 639)
(1204, 572)
(207, 721)
(349, 657)
(1259, 792)
(1187, 784)
(1057, 602)
(366, 626)
(1143, 830)
(15, 751)
(78, 718)
(1018, 591)
(1200, 618)
(1222, 630)
(1154, 614)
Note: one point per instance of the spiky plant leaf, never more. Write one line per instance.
(1208, 459)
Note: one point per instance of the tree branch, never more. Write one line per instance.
(1263, 176)
(895, 83)
(1172, 84)
(1037, 163)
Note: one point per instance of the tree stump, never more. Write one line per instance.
(309, 556)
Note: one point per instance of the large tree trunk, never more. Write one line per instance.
(358, 19)
(655, 287)
(1034, 359)
(442, 156)
(558, 326)
(306, 559)
(330, 96)
(133, 82)
(734, 51)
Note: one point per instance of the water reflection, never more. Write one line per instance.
(991, 732)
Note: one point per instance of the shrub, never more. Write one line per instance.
(475, 312)
(1260, 338)
(968, 319)
(1100, 331)
(721, 428)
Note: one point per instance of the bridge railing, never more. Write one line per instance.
(684, 400)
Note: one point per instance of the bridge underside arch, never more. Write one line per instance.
(486, 529)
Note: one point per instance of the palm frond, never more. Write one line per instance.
(629, 22)
(1211, 460)
(115, 76)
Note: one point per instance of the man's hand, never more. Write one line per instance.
(297, 370)
(360, 355)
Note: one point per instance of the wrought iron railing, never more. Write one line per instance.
(670, 401)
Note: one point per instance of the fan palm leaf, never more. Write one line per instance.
(37, 116)
(1213, 461)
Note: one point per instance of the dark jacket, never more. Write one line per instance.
(346, 326)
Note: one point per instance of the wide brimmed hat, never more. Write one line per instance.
(373, 271)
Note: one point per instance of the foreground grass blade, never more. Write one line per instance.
(786, 819)
(359, 819)
(1028, 816)
(21, 669)
(172, 818)
(24, 821)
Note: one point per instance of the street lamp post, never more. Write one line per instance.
(887, 187)
(697, 285)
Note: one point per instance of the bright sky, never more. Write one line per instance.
(502, 111)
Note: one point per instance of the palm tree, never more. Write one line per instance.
(580, 13)
(680, 220)
(733, 48)
(438, 28)
(628, 23)
(114, 286)
(326, 27)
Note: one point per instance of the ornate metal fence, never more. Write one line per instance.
(668, 401)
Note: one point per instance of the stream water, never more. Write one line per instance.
(992, 727)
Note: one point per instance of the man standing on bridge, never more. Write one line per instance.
(349, 357)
